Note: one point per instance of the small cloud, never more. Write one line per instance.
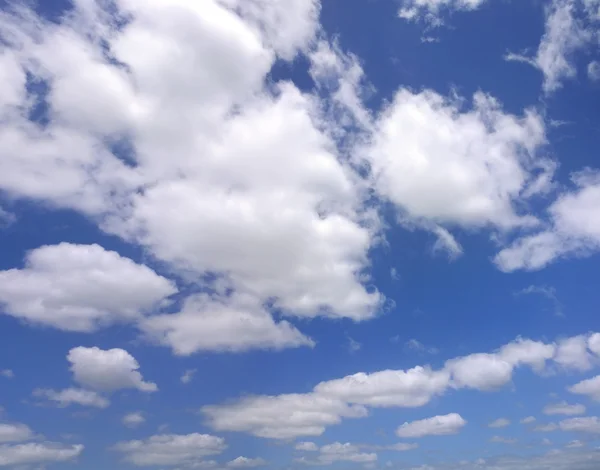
(245, 462)
(546, 427)
(133, 420)
(7, 373)
(564, 408)
(547, 292)
(503, 440)
(546, 442)
(499, 423)
(415, 345)
(188, 375)
(593, 71)
(6, 218)
(574, 444)
(353, 345)
(528, 420)
(394, 274)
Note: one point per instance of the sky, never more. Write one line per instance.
(289, 234)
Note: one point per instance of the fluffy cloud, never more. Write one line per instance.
(80, 288)
(14, 433)
(171, 450)
(440, 163)
(436, 426)
(245, 462)
(572, 353)
(573, 231)
(589, 424)
(267, 208)
(207, 322)
(37, 453)
(430, 10)
(589, 387)
(307, 447)
(528, 420)
(499, 423)
(338, 452)
(593, 71)
(565, 34)
(564, 408)
(411, 388)
(283, 416)
(76, 396)
(107, 371)
(133, 420)
(480, 371)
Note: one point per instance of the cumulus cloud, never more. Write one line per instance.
(134, 419)
(245, 462)
(107, 370)
(73, 396)
(593, 71)
(37, 453)
(499, 423)
(338, 452)
(80, 288)
(307, 446)
(573, 230)
(589, 424)
(187, 376)
(528, 420)
(480, 371)
(431, 10)
(565, 34)
(436, 426)
(14, 432)
(589, 387)
(564, 408)
(171, 449)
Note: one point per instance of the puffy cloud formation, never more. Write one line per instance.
(73, 396)
(499, 423)
(133, 420)
(107, 371)
(80, 288)
(245, 462)
(430, 10)
(589, 387)
(14, 432)
(564, 408)
(309, 414)
(436, 426)
(171, 450)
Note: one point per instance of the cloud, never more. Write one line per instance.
(499, 423)
(593, 71)
(268, 208)
(503, 440)
(188, 375)
(37, 453)
(589, 424)
(573, 230)
(107, 371)
(171, 450)
(564, 408)
(306, 447)
(6, 218)
(7, 373)
(14, 433)
(134, 419)
(80, 288)
(245, 462)
(565, 34)
(440, 163)
(431, 10)
(576, 444)
(528, 420)
(309, 414)
(589, 387)
(281, 417)
(572, 353)
(436, 426)
(550, 427)
(338, 452)
(417, 346)
(547, 292)
(73, 396)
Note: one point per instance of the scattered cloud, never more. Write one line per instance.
(589, 424)
(503, 440)
(499, 423)
(187, 376)
(307, 447)
(564, 408)
(73, 396)
(134, 419)
(593, 71)
(547, 292)
(7, 373)
(417, 346)
(550, 427)
(528, 420)
(245, 462)
(589, 387)
(436, 426)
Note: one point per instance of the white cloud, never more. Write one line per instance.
(80, 288)
(589, 387)
(574, 229)
(7, 373)
(109, 370)
(281, 417)
(417, 346)
(430, 10)
(593, 71)
(527, 352)
(134, 419)
(37, 453)
(245, 462)
(499, 423)
(442, 164)
(402, 446)
(576, 444)
(549, 427)
(411, 388)
(307, 446)
(436, 426)
(72, 396)
(480, 371)
(565, 34)
(207, 323)
(589, 424)
(528, 420)
(594, 343)
(188, 375)
(171, 450)
(564, 408)
(6, 218)
(14, 433)
(572, 353)
(338, 452)
(503, 440)
(266, 205)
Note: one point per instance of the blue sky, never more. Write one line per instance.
(284, 234)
